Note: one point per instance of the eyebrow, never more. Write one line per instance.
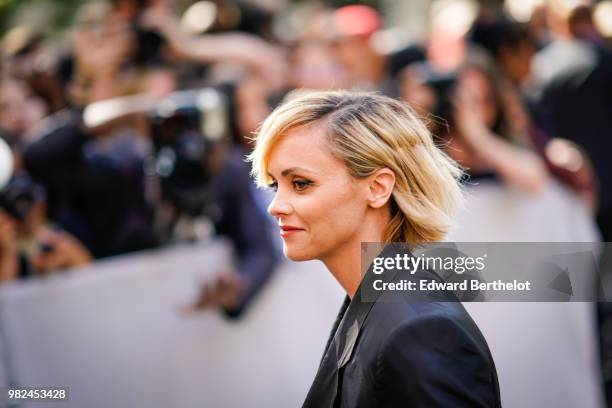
(291, 170)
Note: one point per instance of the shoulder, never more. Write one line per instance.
(418, 331)
(443, 330)
(435, 354)
(440, 325)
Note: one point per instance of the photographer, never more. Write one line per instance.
(94, 177)
(95, 188)
(29, 244)
(116, 202)
(235, 215)
(203, 176)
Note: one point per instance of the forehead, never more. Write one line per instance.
(305, 147)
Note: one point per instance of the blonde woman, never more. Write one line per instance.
(349, 168)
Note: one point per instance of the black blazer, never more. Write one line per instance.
(406, 349)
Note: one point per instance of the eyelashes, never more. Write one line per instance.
(301, 184)
(273, 185)
(298, 184)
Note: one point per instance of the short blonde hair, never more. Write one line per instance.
(368, 132)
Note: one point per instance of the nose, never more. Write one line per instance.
(279, 206)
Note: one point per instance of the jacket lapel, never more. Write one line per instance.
(323, 389)
(339, 348)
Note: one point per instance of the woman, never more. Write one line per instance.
(481, 119)
(490, 132)
(358, 167)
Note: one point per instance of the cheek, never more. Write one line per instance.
(337, 218)
(331, 218)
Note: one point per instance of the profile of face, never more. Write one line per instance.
(344, 166)
(320, 208)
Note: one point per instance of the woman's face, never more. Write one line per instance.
(482, 94)
(318, 205)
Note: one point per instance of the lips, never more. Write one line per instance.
(286, 230)
(289, 228)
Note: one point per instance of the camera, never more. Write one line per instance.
(186, 127)
(20, 195)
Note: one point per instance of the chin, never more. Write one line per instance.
(296, 255)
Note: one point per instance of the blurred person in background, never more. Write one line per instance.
(480, 134)
(94, 180)
(314, 66)
(203, 177)
(237, 48)
(353, 27)
(573, 80)
(26, 58)
(450, 21)
(512, 48)
(232, 207)
(20, 110)
(352, 32)
(115, 56)
(95, 184)
(95, 188)
(339, 49)
(573, 77)
(254, 69)
(486, 137)
(573, 87)
(232, 203)
(582, 25)
(95, 177)
(29, 244)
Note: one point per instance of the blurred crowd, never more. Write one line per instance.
(130, 132)
(131, 135)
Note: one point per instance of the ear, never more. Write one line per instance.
(380, 187)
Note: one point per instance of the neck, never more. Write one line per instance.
(345, 262)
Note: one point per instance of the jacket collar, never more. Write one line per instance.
(343, 338)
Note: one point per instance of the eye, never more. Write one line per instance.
(273, 185)
(301, 184)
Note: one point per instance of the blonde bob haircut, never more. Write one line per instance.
(368, 132)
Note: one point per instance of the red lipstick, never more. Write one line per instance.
(287, 230)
